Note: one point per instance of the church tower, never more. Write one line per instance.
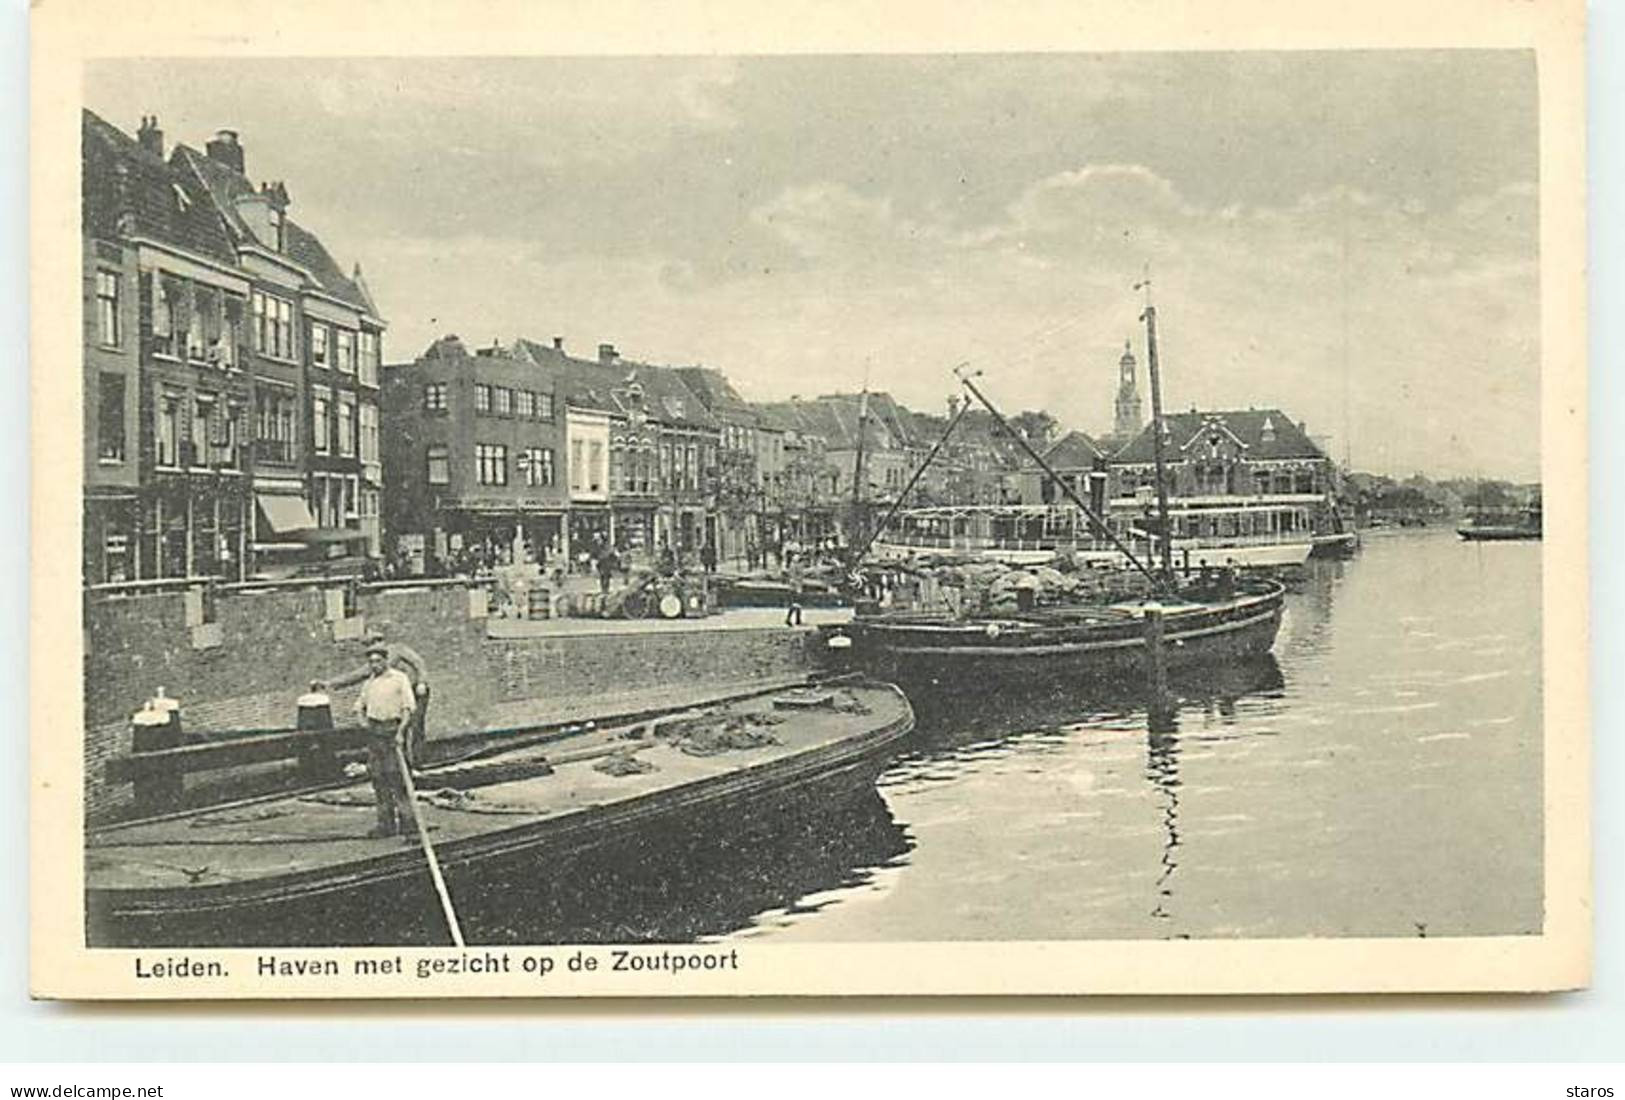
(1128, 421)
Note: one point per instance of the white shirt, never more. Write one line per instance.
(386, 697)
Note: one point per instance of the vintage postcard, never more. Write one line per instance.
(532, 502)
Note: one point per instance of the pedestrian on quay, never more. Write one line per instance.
(608, 563)
(792, 616)
(386, 705)
(708, 557)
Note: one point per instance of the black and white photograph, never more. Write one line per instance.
(698, 504)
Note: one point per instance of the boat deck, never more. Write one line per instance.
(321, 836)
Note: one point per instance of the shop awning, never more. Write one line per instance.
(285, 513)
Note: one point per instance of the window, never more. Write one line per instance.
(196, 345)
(169, 430)
(346, 425)
(576, 478)
(524, 404)
(491, 463)
(321, 432)
(344, 349)
(369, 433)
(544, 406)
(110, 418)
(439, 465)
(108, 329)
(231, 319)
(595, 466)
(274, 426)
(164, 292)
(434, 397)
(537, 464)
(502, 400)
(318, 345)
(273, 325)
(369, 358)
(482, 398)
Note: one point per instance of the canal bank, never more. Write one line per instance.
(239, 658)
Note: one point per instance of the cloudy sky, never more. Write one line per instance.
(1351, 237)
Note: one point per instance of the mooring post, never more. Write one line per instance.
(1161, 708)
(153, 728)
(317, 761)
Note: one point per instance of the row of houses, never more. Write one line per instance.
(232, 369)
(240, 420)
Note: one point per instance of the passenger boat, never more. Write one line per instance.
(223, 874)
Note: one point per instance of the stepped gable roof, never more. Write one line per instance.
(1263, 433)
(127, 190)
(1073, 451)
(225, 185)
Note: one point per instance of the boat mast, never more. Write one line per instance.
(1157, 430)
(857, 470)
(919, 471)
(1071, 494)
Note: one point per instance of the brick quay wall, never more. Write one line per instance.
(242, 662)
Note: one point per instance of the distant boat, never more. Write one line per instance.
(1503, 527)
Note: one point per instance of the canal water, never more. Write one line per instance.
(1379, 774)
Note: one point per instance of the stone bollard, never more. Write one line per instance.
(318, 763)
(154, 728)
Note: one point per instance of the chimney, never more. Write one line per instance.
(607, 354)
(226, 149)
(558, 343)
(150, 137)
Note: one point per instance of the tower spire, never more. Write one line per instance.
(1128, 419)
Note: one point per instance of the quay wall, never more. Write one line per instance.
(255, 653)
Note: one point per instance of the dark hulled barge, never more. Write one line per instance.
(255, 872)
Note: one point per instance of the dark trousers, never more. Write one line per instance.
(792, 617)
(388, 784)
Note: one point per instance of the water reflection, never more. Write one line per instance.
(1162, 769)
(1018, 703)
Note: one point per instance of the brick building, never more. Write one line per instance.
(200, 299)
(663, 459)
(316, 341)
(474, 457)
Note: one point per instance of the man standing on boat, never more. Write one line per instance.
(416, 670)
(386, 705)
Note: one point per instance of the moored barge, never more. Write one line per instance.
(195, 876)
